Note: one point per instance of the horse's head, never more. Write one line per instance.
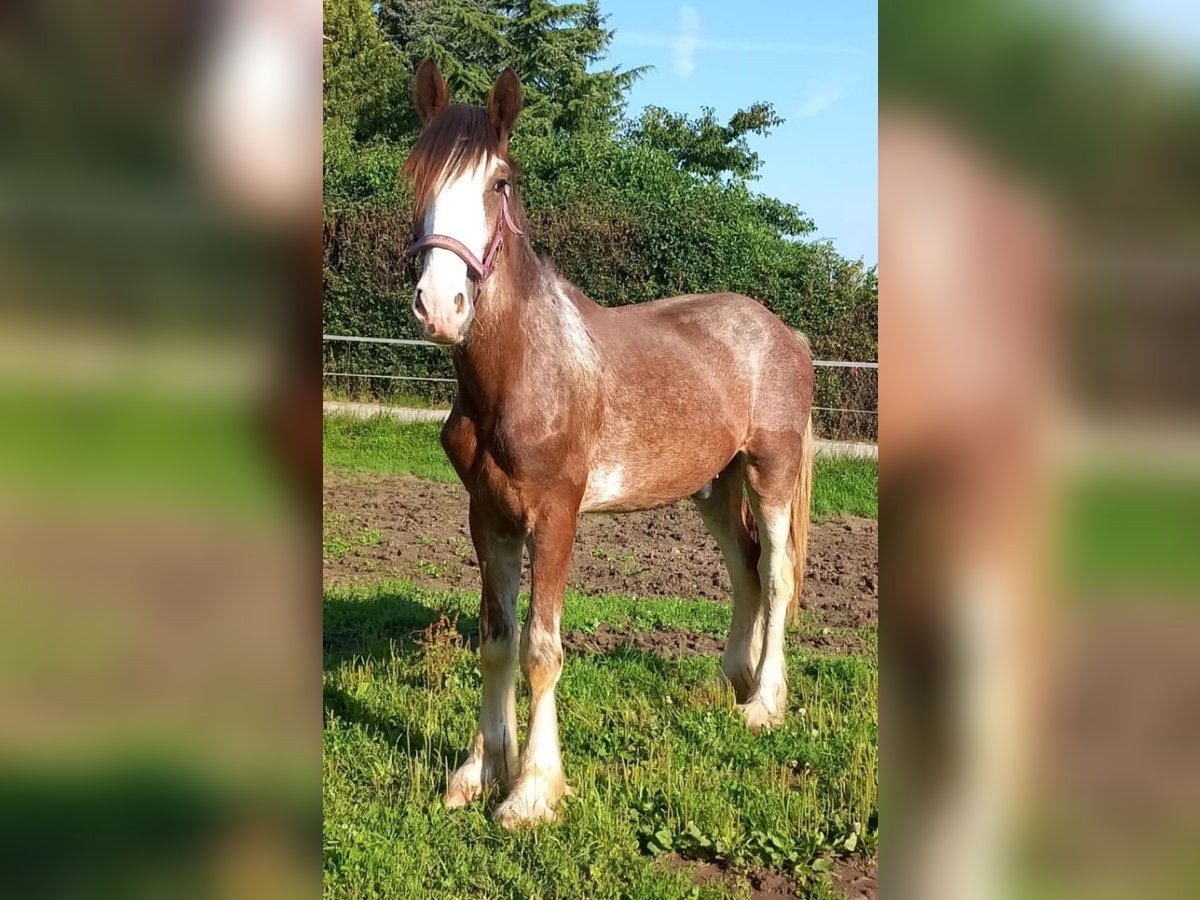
(461, 174)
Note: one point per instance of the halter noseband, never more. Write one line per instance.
(478, 270)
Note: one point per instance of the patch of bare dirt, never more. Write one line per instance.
(765, 884)
(855, 878)
(670, 643)
(659, 553)
(673, 643)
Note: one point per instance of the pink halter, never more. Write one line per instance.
(478, 270)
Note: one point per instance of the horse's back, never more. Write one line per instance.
(725, 344)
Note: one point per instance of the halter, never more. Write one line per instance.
(478, 270)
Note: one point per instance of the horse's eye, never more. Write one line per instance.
(501, 185)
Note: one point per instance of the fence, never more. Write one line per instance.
(845, 406)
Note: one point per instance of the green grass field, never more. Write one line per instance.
(657, 758)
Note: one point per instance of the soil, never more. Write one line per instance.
(659, 553)
(855, 877)
(671, 643)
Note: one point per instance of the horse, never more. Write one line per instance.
(567, 407)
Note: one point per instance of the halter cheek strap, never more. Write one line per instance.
(478, 270)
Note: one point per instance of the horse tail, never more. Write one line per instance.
(801, 515)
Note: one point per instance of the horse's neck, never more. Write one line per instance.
(489, 366)
(529, 335)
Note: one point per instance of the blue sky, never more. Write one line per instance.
(815, 61)
(1170, 27)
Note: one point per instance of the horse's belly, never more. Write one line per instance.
(633, 481)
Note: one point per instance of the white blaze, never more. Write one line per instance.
(456, 212)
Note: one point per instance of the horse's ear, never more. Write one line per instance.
(430, 93)
(504, 103)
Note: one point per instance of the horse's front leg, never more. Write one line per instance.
(541, 784)
(493, 753)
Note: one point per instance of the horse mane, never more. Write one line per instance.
(456, 140)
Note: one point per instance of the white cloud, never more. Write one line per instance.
(686, 40)
(683, 44)
(820, 99)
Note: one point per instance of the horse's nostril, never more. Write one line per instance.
(419, 305)
(431, 329)
(460, 303)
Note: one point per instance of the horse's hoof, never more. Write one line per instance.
(512, 814)
(466, 785)
(458, 795)
(512, 818)
(758, 716)
(741, 682)
(531, 803)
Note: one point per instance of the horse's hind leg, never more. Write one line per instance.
(722, 509)
(771, 482)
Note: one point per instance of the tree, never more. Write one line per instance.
(552, 46)
(704, 146)
(366, 91)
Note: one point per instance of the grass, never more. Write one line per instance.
(841, 485)
(844, 485)
(382, 444)
(337, 539)
(655, 754)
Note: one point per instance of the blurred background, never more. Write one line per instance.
(159, 278)
(1040, 462)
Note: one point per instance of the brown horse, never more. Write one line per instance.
(565, 407)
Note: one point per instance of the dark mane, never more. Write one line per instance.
(457, 139)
